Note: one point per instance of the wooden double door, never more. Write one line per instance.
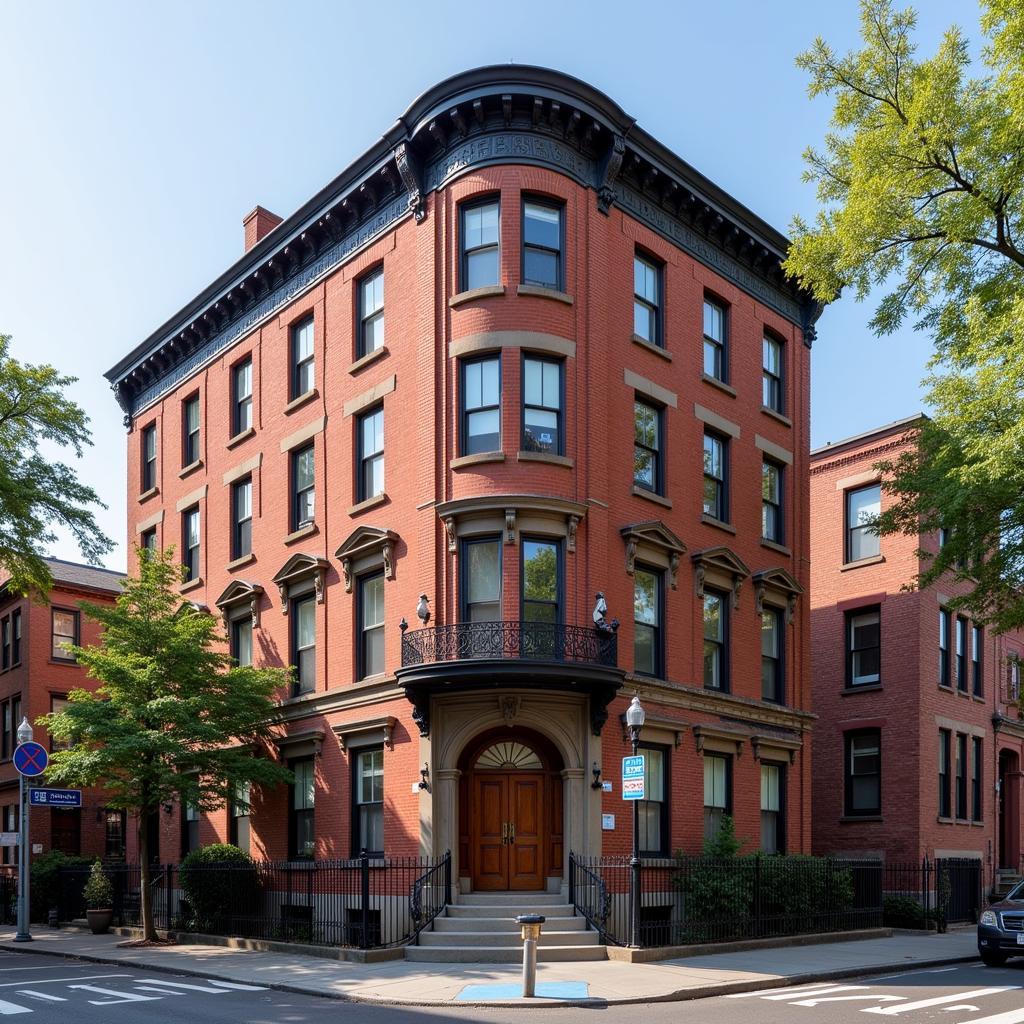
(508, 835)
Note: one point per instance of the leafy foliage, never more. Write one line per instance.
(37, 493)
(98, 892)
(45, 880)
(173, 717)
(921, 191)
(218, 880)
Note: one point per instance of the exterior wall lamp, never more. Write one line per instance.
(596, 772)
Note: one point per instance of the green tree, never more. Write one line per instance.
(37, 494)
(920, 183)
(173, 717)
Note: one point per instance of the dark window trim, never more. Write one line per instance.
(945, 669)
(780, 506)
(187, 458)
(186, 551)
(361, 582)
(362, 455)
(659, 453)
(472, 204)
(560, 363)
(977, 647)
(728, 759)
(945, 778)
(465, 543)
(552, 204)
(724, 306)
(77, 615)
(780, 831)
(464, 412)
(848, 617)
(961, 770)
(780, 661)
(148, 480)
(666, 801)
(658, 267)
(293, 636)
(724, 662)
(977, 779)
(767, 332)
(293, 814)
(659, 628)
(17, 638)
(847, 527)
(848, 809)
(961, 638)
(237, 521)
(723, 440)
(295, 363)
(559, 573)
(237, 399)
(296, 494)
(357, 848)
(360, 331)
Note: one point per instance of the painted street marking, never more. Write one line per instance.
(41, 995)
(162, 991)
(9, 1009)
(961, 1006)
(830, 990)
(55, 981)
(941, 970)
(923, 1004)
(795, 990)
(119, 997)
(1010, 1017)
(181, 984)
(239, 986)
(873, 996)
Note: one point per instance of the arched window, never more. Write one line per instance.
(509, 755)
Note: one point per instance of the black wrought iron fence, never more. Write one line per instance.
(365, 903)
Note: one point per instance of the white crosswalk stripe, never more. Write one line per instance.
(795, 989)
(180, 984)
(118, 997)
(1008, 1017)
(41, 995)
(239, 986)
(830, 990)
(8, 1009)
(923, 1004)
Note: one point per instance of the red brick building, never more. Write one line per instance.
(515, 356)
(919, 739)
(36, 676)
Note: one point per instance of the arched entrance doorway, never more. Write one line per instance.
(510, 830)
(1009, 810)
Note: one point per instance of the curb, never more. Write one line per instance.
(679, 995)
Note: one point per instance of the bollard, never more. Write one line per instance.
(530, 924)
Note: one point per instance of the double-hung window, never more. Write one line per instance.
(370, 428)
(304, 644)
(716, 491)
(57, 705)
(371, 312)
(716, 639)
(481, 405)
(647, 621)
(542, 405)
(654, 837)
(648, 471)
(647, 300)
(114, 833)
(149, 458)
(772, 521)
(303, 365)
(5, 632)
(371, 619)
(148, 540)
(369, 809)
(863, 773)
(945, 622)
(977, 775)
(239, 811)
(189, 827)
(542, 244)
(303, 487)
(190, 542)
(863, 647)
(241, 641)
(241, 518)
(862, 506)
(715, 361)
(961, 654)
(961, 776)
(301, 831)
(480, 245)
(977, 683)
(773, 808)
(16, 637)
(190, 431)
(65, 633)
(771, 374)
(241, 397)
(773, 657)
(481, 579)
(541, 597)
(945, 754)
(717, 792)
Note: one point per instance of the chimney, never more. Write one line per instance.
(259, 224)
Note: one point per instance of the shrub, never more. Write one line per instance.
(98, 892)
(46, 881)
(219, 883)
(902, 912)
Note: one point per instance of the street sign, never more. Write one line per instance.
(30, 759)
(11, 839)
(633, 771)
(55, 797)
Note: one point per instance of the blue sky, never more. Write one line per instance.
(134, 138)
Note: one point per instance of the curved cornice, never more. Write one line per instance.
(507, 113)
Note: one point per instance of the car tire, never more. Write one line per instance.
(993, 959)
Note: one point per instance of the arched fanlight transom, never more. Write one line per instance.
(509, 755)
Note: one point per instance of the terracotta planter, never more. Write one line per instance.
(99, 920)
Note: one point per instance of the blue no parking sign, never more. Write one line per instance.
(30, 759)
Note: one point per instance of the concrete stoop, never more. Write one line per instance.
(481, 929)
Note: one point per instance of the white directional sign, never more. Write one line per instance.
(633, 771)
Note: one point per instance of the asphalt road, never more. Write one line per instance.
(70, 992)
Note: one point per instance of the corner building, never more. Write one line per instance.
(516, 356)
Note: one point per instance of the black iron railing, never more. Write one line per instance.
(529, 641)
(364, 903)
(589, 895)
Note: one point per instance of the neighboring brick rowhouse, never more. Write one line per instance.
(909, 704)
(31, 678)
(435, 498)
(258, 224)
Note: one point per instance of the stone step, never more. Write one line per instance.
(501, 954)
(507, 939)
(505, 899)
(497, 910)
(504, 924)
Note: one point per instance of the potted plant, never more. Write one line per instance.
(99, 900)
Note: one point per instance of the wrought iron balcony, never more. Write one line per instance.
(550, 642)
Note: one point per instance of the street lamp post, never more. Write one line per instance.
(23, 935)
(635, 717)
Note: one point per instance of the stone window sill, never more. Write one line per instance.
(651, 347)
(776, 546)
(362, 506)
(303, 531)
(717, 523)
(551, 460)
(980, 700)
(146, 495)
(237, 563)
(545, 293)
(784, 420)
(945, 689)
(476, 459)
(487, 292)
(720, 384)
(873, 560)
(190, 468)
(945, 821)
(371, 357)
(863, 688)
(298, 403)
(191, 585)
(849, 819)
(658, 499)
(240, 437)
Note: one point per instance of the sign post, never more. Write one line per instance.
(30, 760)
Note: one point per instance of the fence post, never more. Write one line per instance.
(447, 877)
(572, 881)
(757, 896)
(364, 867)
(926, 888)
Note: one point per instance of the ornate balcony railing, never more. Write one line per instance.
(506, 641)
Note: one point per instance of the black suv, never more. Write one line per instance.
(1001, 928)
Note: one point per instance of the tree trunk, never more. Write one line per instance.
(145, 892)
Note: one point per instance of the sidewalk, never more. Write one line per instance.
(444, 984)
